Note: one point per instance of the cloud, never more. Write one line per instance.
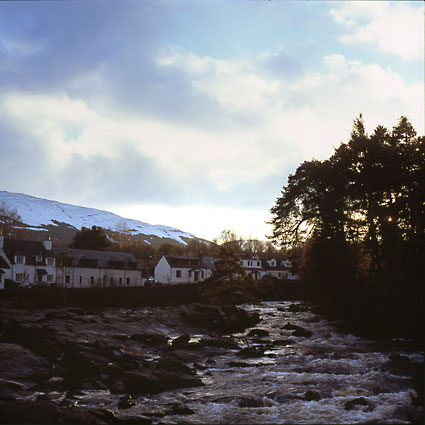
(392, 27)
(121, 106)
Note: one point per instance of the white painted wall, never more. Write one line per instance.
(85, 277)
(163, 271)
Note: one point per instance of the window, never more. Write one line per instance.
(92, 280)
(81, 280)
(202, 274)
(49, 278)
(19, 277)
(67, 278)
(120, 280)
(20, 259)
(258, 263)
(112, 280)
(128, 281)
(50, 261)
(39, 258)
(178, 273)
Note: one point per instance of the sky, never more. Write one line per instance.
(193, 114)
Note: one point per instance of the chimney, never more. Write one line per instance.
(48, 244)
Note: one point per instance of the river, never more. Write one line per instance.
(328, 377)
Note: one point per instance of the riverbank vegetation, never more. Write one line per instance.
(360, 217)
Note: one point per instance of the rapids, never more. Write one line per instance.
(328, 377)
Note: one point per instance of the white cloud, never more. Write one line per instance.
(392, 27)
(231, 83)
(284, 132)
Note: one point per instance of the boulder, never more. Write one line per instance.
(311, 395)
(258, 332)
(19, 363)
(282, 342)
(46, 412)
(352, 404)
(179, 408)
(298, 330)
(173, 364)
(223, 342)
(251, 352)
(37, 337)
(181, 340)
(252, 402)
(125, 402)
(220, 319)
(282, 397)
(150, 339)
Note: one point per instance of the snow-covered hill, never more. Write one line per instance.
(38, 213)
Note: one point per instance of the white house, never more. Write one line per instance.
(172, 269)
(26, 262)
(279, 269)
(31, 262)
(82, 268)
(276, 268)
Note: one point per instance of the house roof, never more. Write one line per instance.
(103, 259)
(29, 249)
(183, 262)
(192, 263)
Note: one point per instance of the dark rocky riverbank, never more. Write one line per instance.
(199, 363)
(49, 356)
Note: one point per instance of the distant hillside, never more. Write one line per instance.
(42, 218)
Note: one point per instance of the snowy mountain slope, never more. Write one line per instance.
(37, 213)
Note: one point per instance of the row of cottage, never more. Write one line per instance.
(28, 263)
(172, 269)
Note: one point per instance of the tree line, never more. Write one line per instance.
(359, 216)
(148, 255)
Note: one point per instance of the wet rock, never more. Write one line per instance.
(302, 333)
(311, 395)
(168, 373)
(251, 352)
(401, 365)
(117, 387)
(37, 337)
(252, 402)
(126, 402)
(173, 364)
(150, 339)
(220, 319)
(352, 404)
(179, 408)
(258, 332)
(131, 420)
(19, 363)
(298, 330)
(46, 412)
(239, 364)
(283, 397)
(224, 342)
(181, 340)
(295, 308)
(282, 342)
(200, 366)
(413, 415)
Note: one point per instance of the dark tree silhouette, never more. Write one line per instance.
(94, 238)
(362, 214)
